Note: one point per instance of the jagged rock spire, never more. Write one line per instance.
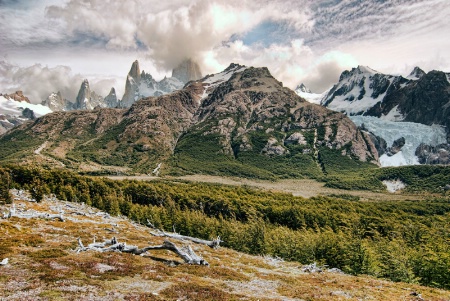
(135, 71)
(416, 73)
(84, 95)
(302, 88)
(187, 70)
(111, 100)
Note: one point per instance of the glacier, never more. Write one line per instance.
(15, 108)
(414, 134)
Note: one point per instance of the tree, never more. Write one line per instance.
(38, 189)
(5, 183)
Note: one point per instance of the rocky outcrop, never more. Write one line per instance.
(87, 99)
(417, 73)
(187, 71)
(17, 96)
(84, 97)
(29, 114)
(302, 89)
(396, 146)
(439, 154)
(111, 100)
(56, 102)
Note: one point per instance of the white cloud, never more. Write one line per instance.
(38, 81)
(315, 41)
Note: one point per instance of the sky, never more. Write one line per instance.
(52, 45)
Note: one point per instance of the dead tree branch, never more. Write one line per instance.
(32, 214)
(215, 244)
(185, 252)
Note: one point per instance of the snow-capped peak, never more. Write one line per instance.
(306, 94)
(213, 80)
(302, 88)
(416, 74)
(366, 69)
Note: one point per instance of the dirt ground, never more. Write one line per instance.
(298, 187)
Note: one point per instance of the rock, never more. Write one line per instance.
(396, 146)
(111, 100)
(17, 96)
(187, 71)
(28, 113)
(302, 88)
(295, 138)
(439, 154)
(379, 143)
(139, 85)
(273, 148)
(56, 102)
(84, 96)
(416, 73)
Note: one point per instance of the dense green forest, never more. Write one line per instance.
(402, 241)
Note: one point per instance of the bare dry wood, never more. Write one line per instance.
(112, 245)
(33, 214)
(215, 244)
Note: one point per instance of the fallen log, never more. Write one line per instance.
(185, 252)
(33, 214)
(215, 244)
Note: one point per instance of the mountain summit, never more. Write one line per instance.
(187, 71)
(139, 85)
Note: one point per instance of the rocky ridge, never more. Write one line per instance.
(245, 113)
(17, 96)
(420, 97)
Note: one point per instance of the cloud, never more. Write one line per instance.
(37, 81)
(299, 40)
(171, 32)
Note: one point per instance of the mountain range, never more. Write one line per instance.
(421, 97)
(242, 121)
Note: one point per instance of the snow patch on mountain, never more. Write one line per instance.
(302, 91)
(210, 82)
(414, 134)
(355, 93)
(15, 108)
(393, 115)
(356, 106)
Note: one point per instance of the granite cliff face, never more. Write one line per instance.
(56, 102)
(87, 99)
(425, 100)
(187, 71)
(139, 84)
(17, 96)
(239, 114)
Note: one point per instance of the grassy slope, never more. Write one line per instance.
(44, 267)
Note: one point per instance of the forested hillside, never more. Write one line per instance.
(402, 241)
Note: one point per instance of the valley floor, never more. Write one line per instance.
(298, 187)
